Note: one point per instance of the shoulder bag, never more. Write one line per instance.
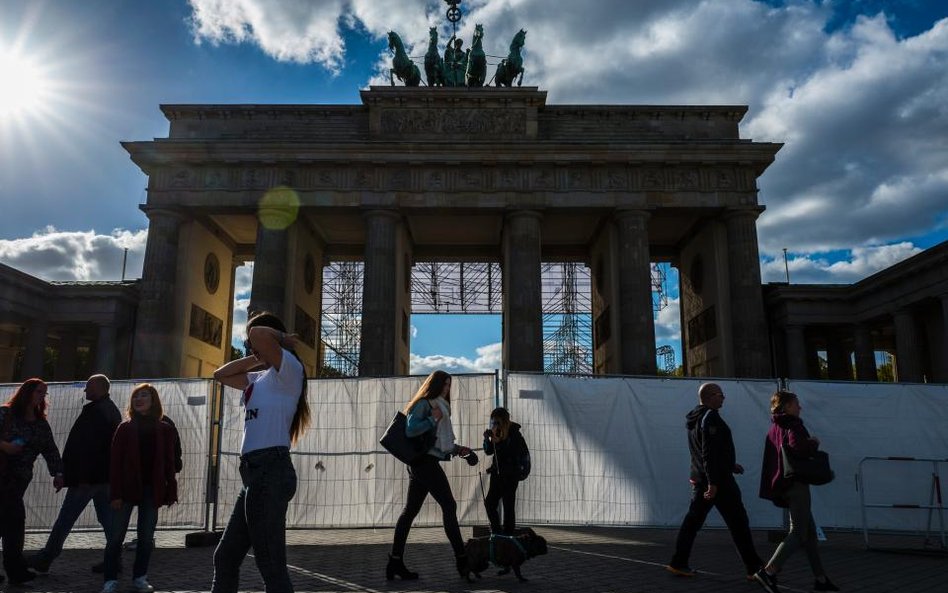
(813, 468)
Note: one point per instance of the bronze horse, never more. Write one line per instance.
(434, 63)
(402, 66)
(512, 65)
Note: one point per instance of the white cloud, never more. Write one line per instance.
(813, 269)
(414, 331)
(860, 110)
(488, 359)
(76, 255)
(668, 323)
(240, 321)
(243, 281)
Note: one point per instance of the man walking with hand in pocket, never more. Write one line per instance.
(713, 465)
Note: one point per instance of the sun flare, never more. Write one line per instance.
(23, 86)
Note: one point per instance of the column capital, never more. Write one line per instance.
(740, 213)
(156, 212)
(523, 213)
(369, 213)
(626, 213)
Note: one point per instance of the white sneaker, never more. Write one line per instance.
(141, 585)
(110, 587)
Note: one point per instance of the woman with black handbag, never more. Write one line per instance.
(429, 416)
(787, 431)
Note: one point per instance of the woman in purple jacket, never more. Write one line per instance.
(787, 430)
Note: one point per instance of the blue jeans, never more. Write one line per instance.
(77, 498)
(258, 521)
(147, 519)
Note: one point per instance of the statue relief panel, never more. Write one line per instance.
(362, 179)
(453, 122)
(287, 177)
(215, 178)
(543, 178)
(253, 177)
(471, 179)
(723, 179)
(434, 180)
(182, 178)
(508, 178)
(653, 178)
(325, 178)
(399, 179)
(615, 179)
(578, 179)
(685, 179)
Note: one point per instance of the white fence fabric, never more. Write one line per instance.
(345, 478)
(613, 451)
(184, 401)
(606, 451)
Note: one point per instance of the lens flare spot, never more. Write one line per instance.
(279, 208)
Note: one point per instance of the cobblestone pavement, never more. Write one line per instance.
(593, 560)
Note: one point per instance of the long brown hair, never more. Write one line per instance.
(430, 389)
(301, 417)
(156, 410)
(20, 401)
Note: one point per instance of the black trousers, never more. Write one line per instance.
(729, 504)
(13, 528)
(426, 477)
(502, 489)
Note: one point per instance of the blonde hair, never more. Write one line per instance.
(780, 399)
(430, 389)
(502, 416)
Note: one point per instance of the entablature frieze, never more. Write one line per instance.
(421, 178)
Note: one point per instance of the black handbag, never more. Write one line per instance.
(405, 448)
(813, 468)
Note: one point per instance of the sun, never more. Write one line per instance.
(24, 87)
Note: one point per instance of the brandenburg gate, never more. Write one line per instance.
(452, 174)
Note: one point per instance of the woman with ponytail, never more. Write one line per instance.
(275, 415)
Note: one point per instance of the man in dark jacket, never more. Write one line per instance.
(713, 463)
(86, 459)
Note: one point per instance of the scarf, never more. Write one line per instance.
(444, 433)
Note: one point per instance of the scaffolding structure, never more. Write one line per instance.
(455, 287)
(474, 288)
(341, 325)
(567, 318)
(666, 359)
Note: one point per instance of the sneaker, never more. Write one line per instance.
(141, 585)
(110, 587)
(767, 581)
(681, 571)
(824, 585)
(38, 562)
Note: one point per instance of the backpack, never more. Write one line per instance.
(523, 461)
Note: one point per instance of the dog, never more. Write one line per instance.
(507, 552)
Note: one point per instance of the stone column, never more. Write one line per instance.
(907, 353)
(522, 297)
(748, 324)
(636, 325)
(377, 353)
(66, 361)
(156, 353)
(796, 352)
(865, 356)
(944, 339)
(837, 359)
(269, 286)
(105, 350)
(35, 353)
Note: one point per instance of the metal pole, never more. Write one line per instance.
(124, 261)
(786, 265)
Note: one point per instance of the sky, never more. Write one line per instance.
(857, 91)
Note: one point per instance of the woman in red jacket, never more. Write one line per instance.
(142, 474)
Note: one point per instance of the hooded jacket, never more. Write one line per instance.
(785, 430)
(507, 453)
(711, 446)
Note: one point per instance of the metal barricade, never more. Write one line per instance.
(935, 503)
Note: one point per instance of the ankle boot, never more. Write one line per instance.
(460, 562)
(396, 567)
